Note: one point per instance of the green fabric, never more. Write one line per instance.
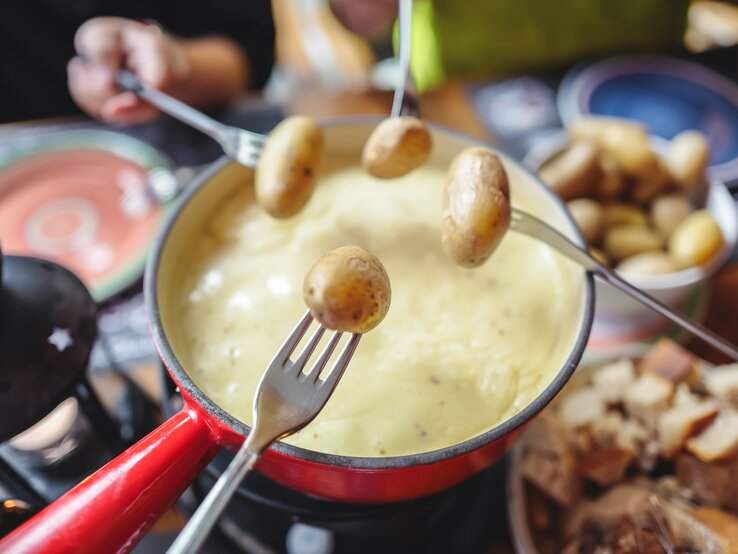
(484, 38)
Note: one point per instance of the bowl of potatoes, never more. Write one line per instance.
(646, 208)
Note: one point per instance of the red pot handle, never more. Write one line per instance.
(112, 510)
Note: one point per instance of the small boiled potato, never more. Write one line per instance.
(657, 262)
(695, 240)
(396, 147)
(574, 172)
(624, 241)
(626, 141)
(687, 159)
(612, 182)
(348, 290)
(624, 214)
(286, 172)
(649, 185)
(475, 206)
(589, 217)
(668, 211)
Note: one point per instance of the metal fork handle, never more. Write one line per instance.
(172, 106)
(207, 514)
(529, 225)
(405, 101)
(674, 315)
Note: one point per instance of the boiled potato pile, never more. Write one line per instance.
(638, 212)
(287, 169)
(396, 147)
(348, 290)
(475, 206)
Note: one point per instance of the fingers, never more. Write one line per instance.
(107, 44)
(93, 88)
(90, 85)
(127, 108)
(147, 56)
(98, 41)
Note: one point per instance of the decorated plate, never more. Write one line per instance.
(84, 199)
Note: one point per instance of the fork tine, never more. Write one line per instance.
(302, 359)
(322, 360)
(343, 360)
(290, 344)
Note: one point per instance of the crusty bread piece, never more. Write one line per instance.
(605, 466)
(721, 529)
(648, 397)
(680, 422)
(573, 519)
(612, 381)
(548, 435)
(581, 407)
(555, 477)
(632, 434)
(719, 441)
(669, 360)
(604, 431)
(714, 483)
(628, 498)
(683, 396)
(722, 382)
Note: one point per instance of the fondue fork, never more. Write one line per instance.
(242, 146)
(286, 400)
(405, 101)
(534, 227)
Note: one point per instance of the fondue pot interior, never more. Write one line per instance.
(113, 508)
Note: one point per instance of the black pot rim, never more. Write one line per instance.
(355, 462)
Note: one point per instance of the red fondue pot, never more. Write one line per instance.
(112, 509)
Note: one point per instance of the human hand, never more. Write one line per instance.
(107, 44)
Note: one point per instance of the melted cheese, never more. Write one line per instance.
(460, 351)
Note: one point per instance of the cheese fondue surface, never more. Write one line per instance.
(460, 351)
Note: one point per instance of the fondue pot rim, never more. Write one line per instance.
(167, 355)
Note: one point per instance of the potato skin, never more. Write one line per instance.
(696, 239)
(396, 147)
(624, 140)
(475, 206)
(655, 262)
(348, 290)
(589, 217)
(571, 173)
(650, 185)
(613, 181)
(687, 159)
(624, 241)
(668, 211)
(624, 214)
(286, 172)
